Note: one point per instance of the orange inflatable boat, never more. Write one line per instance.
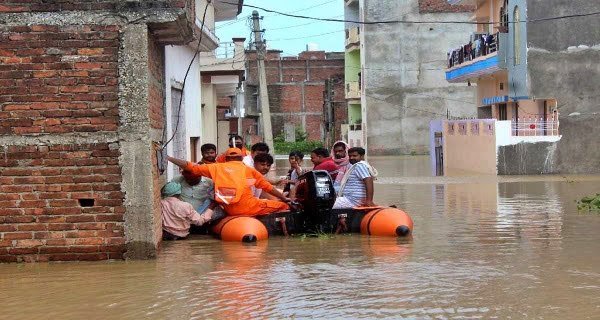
(389, 222)
(315, 215)
(240, 228)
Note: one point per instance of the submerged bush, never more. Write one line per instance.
(589, 203)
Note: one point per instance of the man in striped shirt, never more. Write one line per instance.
(356, 188)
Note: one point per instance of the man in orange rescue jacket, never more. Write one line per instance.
(232, 185)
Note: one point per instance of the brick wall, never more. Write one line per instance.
(53, 81)
(440, 6)
(41, 216)
(86, 5)
(296, 86)
(59, 80)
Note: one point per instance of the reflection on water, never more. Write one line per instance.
(508, 247)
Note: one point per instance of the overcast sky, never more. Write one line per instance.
(291, 34)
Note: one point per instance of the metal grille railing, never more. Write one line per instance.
(482, 46)
(534, 127)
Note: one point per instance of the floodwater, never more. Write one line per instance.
(483, 248)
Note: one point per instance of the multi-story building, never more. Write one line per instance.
(222, 72)
(297, 91)
(191, 112)
(394, 72)
(529, 67)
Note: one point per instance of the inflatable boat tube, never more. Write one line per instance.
(390, 222)
(241, 229)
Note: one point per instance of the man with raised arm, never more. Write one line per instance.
(232, 181)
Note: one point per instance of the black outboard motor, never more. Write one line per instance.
(315, 193)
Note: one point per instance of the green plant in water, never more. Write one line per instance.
(316, 234)
(589, 203)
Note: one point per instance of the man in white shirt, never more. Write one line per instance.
(356, 188)
(262, 164)
(257, 148)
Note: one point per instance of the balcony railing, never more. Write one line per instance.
(225, 50)
(484, 44)
(534, 127)
(352, 90)
(352, 37)
(355, 127)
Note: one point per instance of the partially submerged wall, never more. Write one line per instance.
(78, 116)
(563, 64)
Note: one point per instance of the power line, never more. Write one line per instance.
(299, 25)
(309, 36)
(185, 77)
(233, 22)
(304, 9)
(317, 5)
(415, 21)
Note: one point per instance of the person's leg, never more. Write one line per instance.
(252, 206)
(166, 236)
(343, 203)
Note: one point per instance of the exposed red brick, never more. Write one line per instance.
(296, 85)
(441, 6)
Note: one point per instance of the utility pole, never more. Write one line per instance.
(328, 120)
(262, 81)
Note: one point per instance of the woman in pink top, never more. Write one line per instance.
(177, 216)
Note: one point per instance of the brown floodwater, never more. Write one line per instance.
(483, 247)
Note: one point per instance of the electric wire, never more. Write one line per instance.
(417, 21)
(186, 75)
(274, 15)
(300, 25)
(309, 36)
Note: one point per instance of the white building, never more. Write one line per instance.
(191, 119)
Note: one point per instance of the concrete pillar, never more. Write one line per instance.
(142, 211)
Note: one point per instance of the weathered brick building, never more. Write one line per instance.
(296, 86)
(81, 103)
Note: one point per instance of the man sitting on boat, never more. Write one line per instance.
(339, 154)
(322, 161)
(256, 149)
(356, 188)
(232, 181)
(177, 215)
(209, 153)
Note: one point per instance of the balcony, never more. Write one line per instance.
(355, 135)
(352, 39)
(484, 55)
(353, 90)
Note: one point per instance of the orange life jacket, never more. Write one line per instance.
(229, 179)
